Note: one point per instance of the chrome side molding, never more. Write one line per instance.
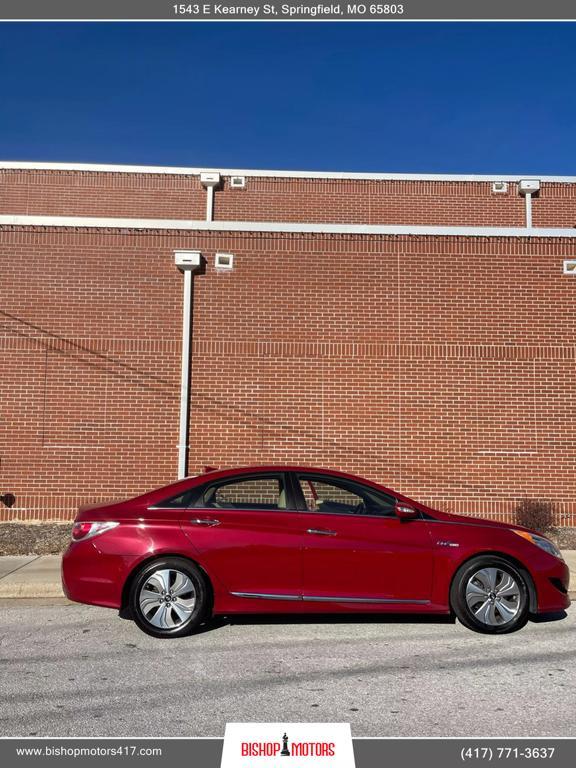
(384, 600)
(314, 599)
(263, 596)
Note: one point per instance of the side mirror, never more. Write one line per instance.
(405, 512)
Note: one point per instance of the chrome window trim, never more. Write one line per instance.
(356, 516)
(302, 512)
(274, 511)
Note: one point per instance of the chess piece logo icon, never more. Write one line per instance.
(285, 750)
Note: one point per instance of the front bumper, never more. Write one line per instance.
(552, 587)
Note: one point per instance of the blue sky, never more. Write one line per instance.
(431, 98)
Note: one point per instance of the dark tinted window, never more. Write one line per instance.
(178, 502)
(343, 497)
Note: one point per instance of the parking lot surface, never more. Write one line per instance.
(71, 670)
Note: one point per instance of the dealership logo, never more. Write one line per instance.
(288, 745)
(284, 749)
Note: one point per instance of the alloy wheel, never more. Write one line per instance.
(167, 598)
(493, 596)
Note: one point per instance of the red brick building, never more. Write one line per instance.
(420, 331)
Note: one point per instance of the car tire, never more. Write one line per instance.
(169, 598)
(490, 595)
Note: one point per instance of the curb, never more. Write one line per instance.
(24, 590)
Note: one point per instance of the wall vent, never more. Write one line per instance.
(500, 187)
(570, 267)
(224, 261)
(238, 182)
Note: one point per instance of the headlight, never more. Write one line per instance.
(541, 542)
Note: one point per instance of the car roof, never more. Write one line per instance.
(255, 469)
(262, 468)
(180, 486)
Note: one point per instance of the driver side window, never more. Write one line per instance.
(340, 497)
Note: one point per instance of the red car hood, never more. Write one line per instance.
(469, 520)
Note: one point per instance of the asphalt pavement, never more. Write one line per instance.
(72, 670)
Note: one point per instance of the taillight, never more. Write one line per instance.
(82, 531)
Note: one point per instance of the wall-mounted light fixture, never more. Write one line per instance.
(528, 188)
(210, 181)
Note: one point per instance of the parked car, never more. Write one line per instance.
(280, 539)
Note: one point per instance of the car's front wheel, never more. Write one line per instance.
(490, 595)
(169, 598)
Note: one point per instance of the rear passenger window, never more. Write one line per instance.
(252, 493)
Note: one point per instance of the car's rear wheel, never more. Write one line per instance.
(169, 598)
(490, 595)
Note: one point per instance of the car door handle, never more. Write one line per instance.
(204, 521)
(321, 532)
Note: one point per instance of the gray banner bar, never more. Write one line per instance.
(207, 753)
(254, 10)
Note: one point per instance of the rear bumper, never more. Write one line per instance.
(89, 576)
(552, 587)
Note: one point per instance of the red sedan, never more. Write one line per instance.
(280, 539)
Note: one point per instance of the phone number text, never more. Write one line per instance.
(507, 753)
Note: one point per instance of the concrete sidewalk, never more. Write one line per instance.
(39, 576)
(30, 576)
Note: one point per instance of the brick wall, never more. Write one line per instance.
(443, 367)
(67, 193)
(73, 193)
